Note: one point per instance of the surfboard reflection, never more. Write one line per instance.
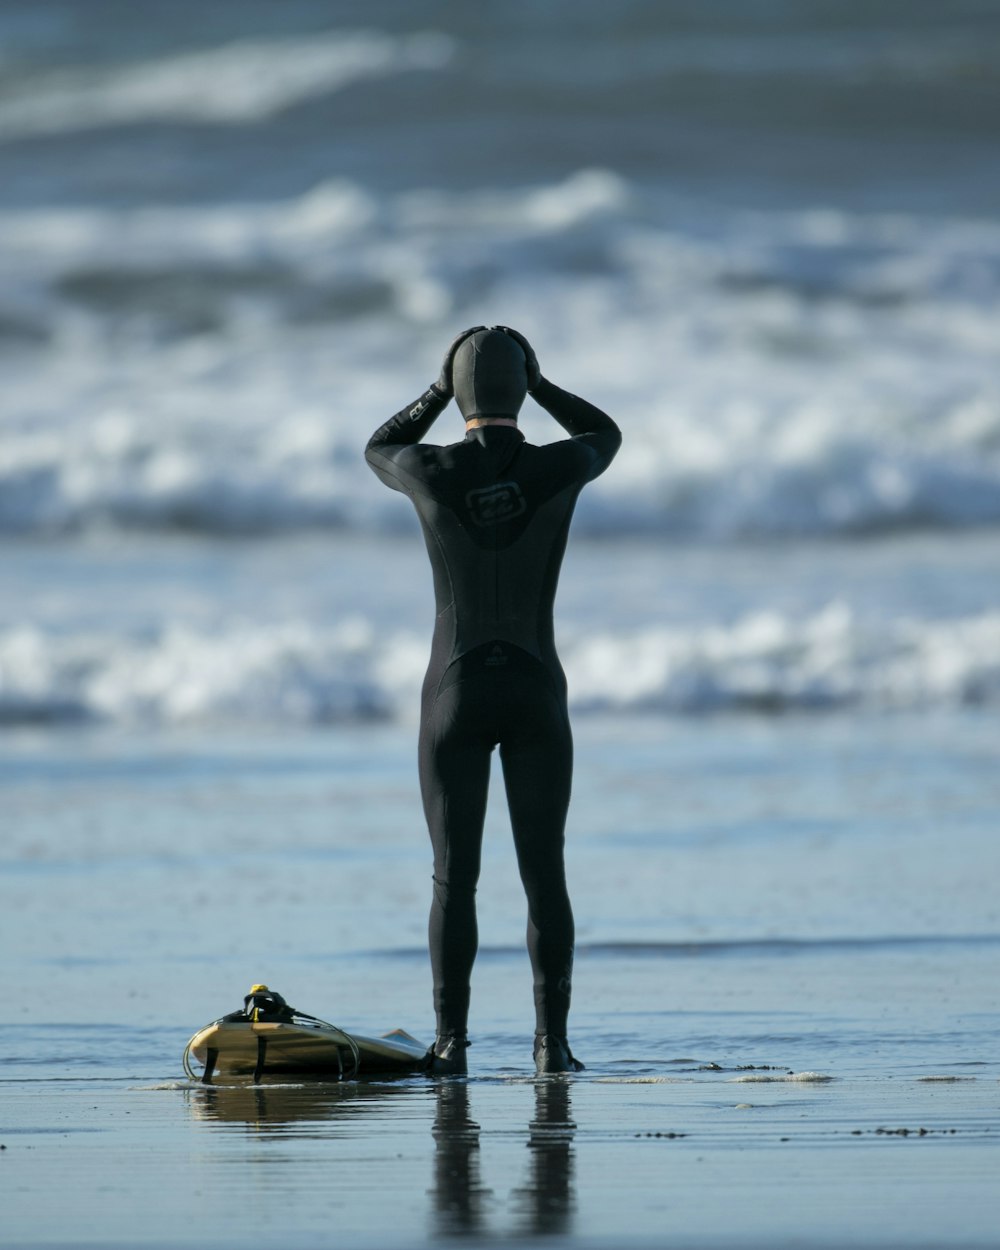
(544, 1204)
(320, 1109)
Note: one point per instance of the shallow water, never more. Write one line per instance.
(858, 1124)
(153, 631)
(759, 897)
(785, 972)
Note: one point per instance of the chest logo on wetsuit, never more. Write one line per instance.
(492, 504)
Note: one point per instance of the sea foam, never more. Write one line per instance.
(220, 368)
(233, 84)
(295, 672)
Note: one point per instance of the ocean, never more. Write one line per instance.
(234, 239)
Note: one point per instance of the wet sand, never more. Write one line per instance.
(894, 1141)
(789, 1023)
(689, 1160)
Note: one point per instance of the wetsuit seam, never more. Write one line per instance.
(452, 604)
(496, 574)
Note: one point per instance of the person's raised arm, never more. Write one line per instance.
(386, 451)
(583, 421)
(410, 424)
(576, 416)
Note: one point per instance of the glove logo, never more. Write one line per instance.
(493, 504)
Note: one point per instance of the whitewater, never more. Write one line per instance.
(219, 368)
(214, 291)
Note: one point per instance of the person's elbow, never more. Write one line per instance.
(611, 439)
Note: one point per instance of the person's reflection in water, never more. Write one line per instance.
(459, 1195)
(546, 1203)
(548, 1200)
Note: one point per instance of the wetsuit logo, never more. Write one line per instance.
(493, 504)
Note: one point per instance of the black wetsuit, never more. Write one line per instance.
(495, 512)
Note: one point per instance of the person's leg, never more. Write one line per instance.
(537, 755)
(454, 779)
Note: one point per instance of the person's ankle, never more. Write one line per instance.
(552, 1054)
(447, 1056)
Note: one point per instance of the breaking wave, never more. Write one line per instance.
(299, 673)
(220, 367)
(235, 84)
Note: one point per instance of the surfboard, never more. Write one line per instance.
(249, 1043)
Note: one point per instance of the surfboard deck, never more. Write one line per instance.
(313, 1048)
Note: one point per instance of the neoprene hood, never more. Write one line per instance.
(489, 375)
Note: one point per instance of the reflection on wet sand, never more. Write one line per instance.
(548, 1201)
(461, 1200)
(319, 1110)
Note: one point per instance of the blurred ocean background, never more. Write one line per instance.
(764, 237)
(234, 239)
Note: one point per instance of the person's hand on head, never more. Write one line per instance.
(444, 384)
(531, 360)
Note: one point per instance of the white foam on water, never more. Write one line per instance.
(639, 1080)
(221, 367)
(800, 1078)
(768, 660)
(297, 672)
(234, 84)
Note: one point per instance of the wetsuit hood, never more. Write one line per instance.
(489, 375)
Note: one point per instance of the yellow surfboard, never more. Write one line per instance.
(269, 1036)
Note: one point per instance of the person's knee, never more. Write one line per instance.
(455, 886)
(542, 870)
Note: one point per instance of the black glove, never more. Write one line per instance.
(531, 360)
(444, 385)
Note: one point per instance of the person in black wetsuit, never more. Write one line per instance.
(495, 512)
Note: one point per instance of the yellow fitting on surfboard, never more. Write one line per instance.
(257, 989)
